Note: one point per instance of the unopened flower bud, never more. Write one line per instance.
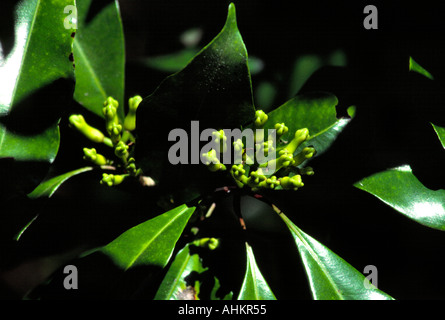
(301, 135)
(94, 157)
(291, 183)
(112, 180)
(95, 135)
(130, 119)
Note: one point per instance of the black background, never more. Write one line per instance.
(391, 128)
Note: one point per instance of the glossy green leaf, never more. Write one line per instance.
(175, 285)
(99, 54)
(214, 88)
(330, 277)
(414, 66)
(151, 242)
(48, 187)
(254, 285)
(41, 52)
(40, 56)
(440, 131)
(400, 189)
(39, 147)
(315, 112)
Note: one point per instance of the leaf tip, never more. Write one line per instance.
(231, 15)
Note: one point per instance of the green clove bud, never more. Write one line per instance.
(269, 183)
(220, 141)
(305, 154)
(309, 171)
(121, 150)
(94, 157)
(260, 119)
(211, 243)
(115, 133)
(300, 136)
(281, 129)
(111, 118)
(291, 183)
(130, 118)
(212, 162)
(95, 135)
(113, 180)
(256, 177)
(112, 101)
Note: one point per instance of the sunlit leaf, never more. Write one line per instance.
(254, 285)
(330, 277)
(48, 187)
(151, 242)
(41, 52)
(40, 56)
(400, 189)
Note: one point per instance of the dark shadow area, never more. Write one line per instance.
(98, 279)
(25, 117)
(96, 7)
(7, 36)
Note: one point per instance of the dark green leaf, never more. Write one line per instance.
(214, 88)
(151, 242)
(265, 94)
(315, 112)
(48, 187)
(306, 65)
(400, 189)
(254, 286)
(330, 277)
(99, 54)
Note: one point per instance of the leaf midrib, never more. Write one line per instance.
(312, 253)
(90, 69)
(333, 125)
(147, 244)
(252, 270)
